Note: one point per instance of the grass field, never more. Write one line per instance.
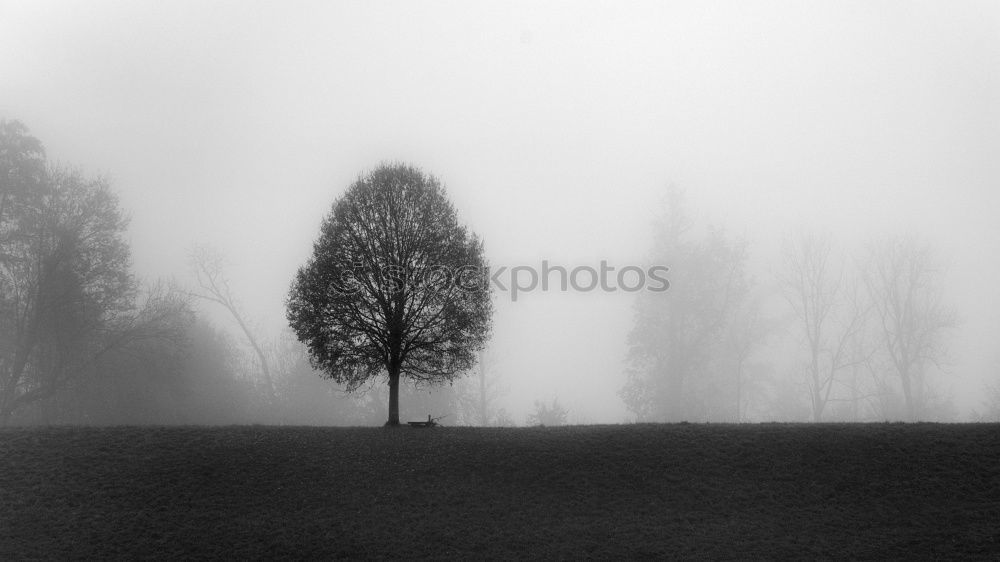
(716, 491)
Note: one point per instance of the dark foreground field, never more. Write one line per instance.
(828, 491)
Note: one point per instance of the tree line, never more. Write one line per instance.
(865, 336)
(826, 335)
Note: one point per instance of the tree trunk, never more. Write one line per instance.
(393, 398)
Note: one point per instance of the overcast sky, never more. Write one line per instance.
(555, 126)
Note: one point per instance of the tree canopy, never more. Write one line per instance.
(395, 287)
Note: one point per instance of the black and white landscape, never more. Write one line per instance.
(499, 280)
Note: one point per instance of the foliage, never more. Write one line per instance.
(394, 286)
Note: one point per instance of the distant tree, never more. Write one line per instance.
(22, 186)
(678, 369)
(550, 415)
(66, 292)
(143, 377)
(747, 332)
(481, 392)
(829, 314)
(80, 339)
(904, 284)
(207, 385)
(213, 286)
(990, 404)
(395, 286)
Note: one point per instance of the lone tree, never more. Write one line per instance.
(395, 286)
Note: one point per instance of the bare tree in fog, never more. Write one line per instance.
(829, 313)
(80, 339)
(677, 348)
(904, 284)
(395, 286)
(213, 286)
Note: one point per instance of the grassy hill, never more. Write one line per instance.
(719, 491)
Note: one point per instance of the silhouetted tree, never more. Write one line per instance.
(395, 286)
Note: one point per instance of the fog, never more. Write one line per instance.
(558, 129)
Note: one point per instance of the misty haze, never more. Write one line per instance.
(499, 280)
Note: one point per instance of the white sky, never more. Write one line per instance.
(555, 126)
